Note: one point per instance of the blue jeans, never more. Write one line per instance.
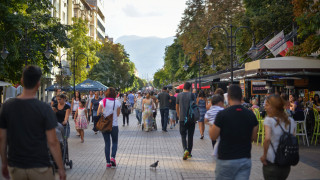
(139, 115)
(114, 136)
(164, 118)
(238, 169)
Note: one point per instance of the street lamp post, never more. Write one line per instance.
(74, 58)
(5, 52)
(232, 39)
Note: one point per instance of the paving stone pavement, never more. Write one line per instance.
(137, 150)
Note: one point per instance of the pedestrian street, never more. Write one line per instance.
(137, 150)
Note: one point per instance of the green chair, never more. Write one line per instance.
(260, 127)
(316, 130)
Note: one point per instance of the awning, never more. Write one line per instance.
(284, 63)
(57, 86)
(202, 87)
(2, 83)
(90, 85)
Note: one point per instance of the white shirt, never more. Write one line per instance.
(108, 110)
(75, 105)
(211, 116)
(89, 101)
(212, 113)
(276, 132)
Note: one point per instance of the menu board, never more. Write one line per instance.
(258, 87)
(242, 84)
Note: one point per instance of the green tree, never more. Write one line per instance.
(307, 17)
(82, 43)
(25, 27)
(114, 68)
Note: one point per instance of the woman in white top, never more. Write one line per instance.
(277, 117)
(75, 105)
(107, 106)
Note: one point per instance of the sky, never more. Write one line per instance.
(144, 18)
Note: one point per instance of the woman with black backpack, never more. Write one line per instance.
(277, 124)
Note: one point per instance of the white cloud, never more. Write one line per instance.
(143, 17)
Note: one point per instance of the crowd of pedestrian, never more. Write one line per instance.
(27, 125)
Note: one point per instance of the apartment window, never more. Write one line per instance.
(101, 26)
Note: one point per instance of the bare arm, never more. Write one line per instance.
(214, 132)
(266, 144)
(100, 109)
(55, 150)
(118, 111)
(66, 117)
(72, 104)
(76, 115)
(178, 110)
(143, 105)
(254, 133)
(90, 108)
(3, 153)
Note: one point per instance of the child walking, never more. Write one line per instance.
(81, 119)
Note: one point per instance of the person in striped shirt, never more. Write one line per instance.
(217, 102)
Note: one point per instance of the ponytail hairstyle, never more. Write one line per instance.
(277, 109)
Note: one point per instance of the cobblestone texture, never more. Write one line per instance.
(137, 150)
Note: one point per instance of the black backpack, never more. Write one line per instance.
(288, 149)
(193, 113)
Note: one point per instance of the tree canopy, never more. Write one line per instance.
(25, 27)
(115, 68)
(263, 17)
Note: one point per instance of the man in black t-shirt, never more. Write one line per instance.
(164, 100)
(27, 129)
(237, 127)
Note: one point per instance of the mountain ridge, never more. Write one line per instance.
(146, 52)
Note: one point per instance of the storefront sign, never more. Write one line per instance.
(258, 88)
(243, 87)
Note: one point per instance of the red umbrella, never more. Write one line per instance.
(202, 87)
(180, 86)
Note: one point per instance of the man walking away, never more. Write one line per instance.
(27, 129)
(237, 127)
(164, 99)
(131, 98)
(182, 106)
(172, 110)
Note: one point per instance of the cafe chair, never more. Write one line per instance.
(316, 131)
(301, 129)
(260, 127)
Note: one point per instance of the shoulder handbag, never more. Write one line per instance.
(105, 123)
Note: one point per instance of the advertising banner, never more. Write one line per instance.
(277, 44)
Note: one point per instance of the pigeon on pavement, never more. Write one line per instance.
(154, 165)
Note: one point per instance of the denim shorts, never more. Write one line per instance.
(172, 114)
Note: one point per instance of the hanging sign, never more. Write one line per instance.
(242, 84)
(258, 87)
